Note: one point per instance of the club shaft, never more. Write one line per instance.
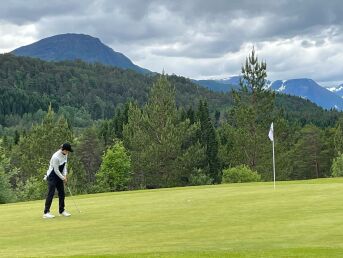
(73, 199)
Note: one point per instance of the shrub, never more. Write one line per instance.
(240, 174)
(198, 177)
(33, 189)
(115, 170)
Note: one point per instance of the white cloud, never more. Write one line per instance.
(16, 35)
(288, 59)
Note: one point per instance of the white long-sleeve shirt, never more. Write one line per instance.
(57, 160)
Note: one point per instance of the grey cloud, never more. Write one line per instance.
(319, 42)
(134, 20)
(191, 29)
(21, 12)
(196, 50)
(306, 44)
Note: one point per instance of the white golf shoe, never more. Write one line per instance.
(48, 216)
(65, 214)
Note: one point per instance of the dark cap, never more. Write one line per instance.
(67, 146)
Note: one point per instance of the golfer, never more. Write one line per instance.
(56, 176)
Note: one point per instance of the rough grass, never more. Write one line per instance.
(298, 219)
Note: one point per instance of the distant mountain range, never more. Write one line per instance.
(77, 46)
(89, 49)
(309, 89)
(222, 85)
(305, 88)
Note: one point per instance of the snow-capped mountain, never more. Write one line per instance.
(309, 89)
(304, 88)
(233, 80)
(337, 90)
(220, 85)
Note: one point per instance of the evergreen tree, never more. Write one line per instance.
(284, 140)
(32, 155)
(106, 132)
(157, 140)
(208, 140)
(310, 156)
(6, 142)
(89, 152)
(113, 128)
(191, 115)
(252, 115)
(226, 148)
(6, 192)
(337, 166)
(16, 137)
(217, 119)
(338, 137)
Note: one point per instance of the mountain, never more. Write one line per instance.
(337, 90)
(221, 85)
(77, 46)
(215, 85)
(233, 80)
(309, 89)
(304, 88)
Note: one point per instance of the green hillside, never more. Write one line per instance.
(28, 84)
(298, 219)
(94, 91)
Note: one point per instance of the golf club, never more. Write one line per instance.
(73, 199)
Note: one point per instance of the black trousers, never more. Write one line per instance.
(54, 182)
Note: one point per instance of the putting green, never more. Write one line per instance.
(298, 219)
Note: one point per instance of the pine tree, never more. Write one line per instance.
(16, 137)
(157, 140)
(217, 119)
(89, 151)
(191, 115)
(6, 192)
(113, 128)
(252, 114)
(310, 155)
(208, 139)
(338, 137)
(34, 150)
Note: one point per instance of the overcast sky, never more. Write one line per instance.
(194, 38)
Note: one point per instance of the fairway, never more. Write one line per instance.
(298, 219)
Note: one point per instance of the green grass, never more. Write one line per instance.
(298, 219)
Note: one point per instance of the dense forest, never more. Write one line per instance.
(134, 131)
(28, 85)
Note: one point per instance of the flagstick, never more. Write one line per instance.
(273, 163)
(271, 137)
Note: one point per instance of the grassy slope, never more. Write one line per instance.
(299, 219)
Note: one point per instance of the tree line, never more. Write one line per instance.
(160, 143)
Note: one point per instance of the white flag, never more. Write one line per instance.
(271, 133)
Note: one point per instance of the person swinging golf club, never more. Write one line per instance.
(56, 176)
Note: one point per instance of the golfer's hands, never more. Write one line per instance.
(65, 180)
